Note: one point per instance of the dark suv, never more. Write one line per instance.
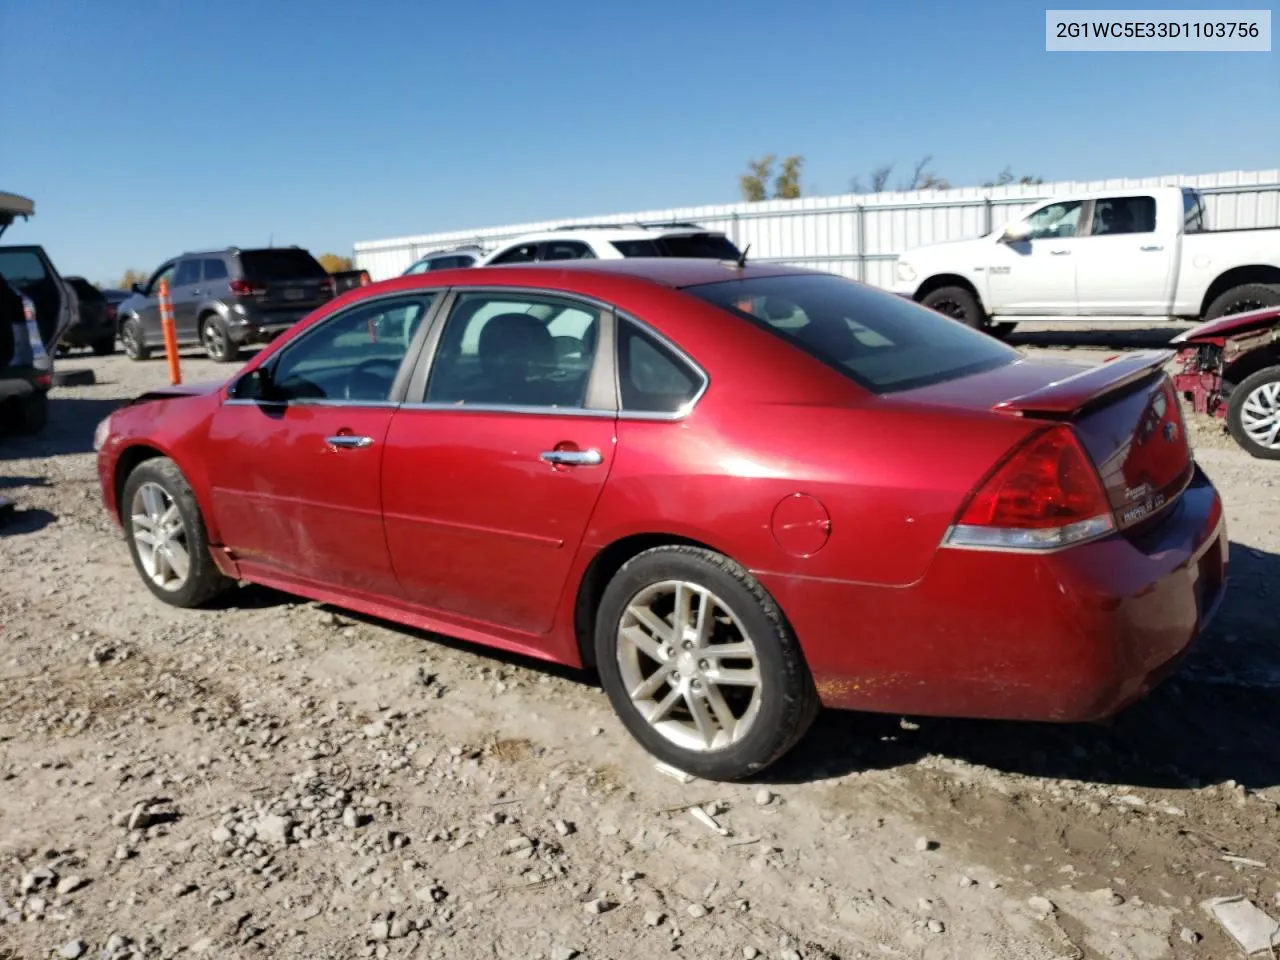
(225, 299)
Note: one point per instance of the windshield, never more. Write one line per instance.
(881, 341)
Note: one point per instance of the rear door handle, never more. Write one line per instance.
(1151, 249)
(573, 458)
(347, 441)
(1059, 253)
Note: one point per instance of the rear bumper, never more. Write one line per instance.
(251, 323)
(1074, 636)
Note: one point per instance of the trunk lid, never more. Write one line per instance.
(1125, 412)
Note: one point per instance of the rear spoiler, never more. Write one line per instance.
(1069, 396)
(12, 207)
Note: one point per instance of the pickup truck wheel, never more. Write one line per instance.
(1253, 414)
(958, 304)
(217, 340)
(135, 347)
(1250, 296)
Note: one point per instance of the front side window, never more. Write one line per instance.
(881, 341)
(708, 246)
(1056, 221)
(1113, 215)
(354, 355)
(566, 250)
(164, 273)
(651, 377)
(515, 350)
(522, 253)
(188, 273)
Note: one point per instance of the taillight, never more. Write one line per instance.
(1045, 495)
(44, 380)
(247, 288)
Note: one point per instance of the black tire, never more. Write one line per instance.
(33, 413)
(133, 341)
(958, 304)
(789, 701)
(1235, 412)
(1250, 296)
(217, 341)
(104, 347)
(204, 580)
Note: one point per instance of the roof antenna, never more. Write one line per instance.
(742, 258)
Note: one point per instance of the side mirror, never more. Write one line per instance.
(137, 288)
(1015, 233)
(254, 385)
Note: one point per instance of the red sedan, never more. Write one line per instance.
(739, 492)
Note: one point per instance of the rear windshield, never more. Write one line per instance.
(281, 263)
(709, 246)
(883, 342)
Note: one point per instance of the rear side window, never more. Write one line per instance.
(881, 341)
(281, 263)
(1112, 215)
(215, 270)
(652, 378)
(21, 267)
(566, 250)
(188, 273)
(637, 248)
(1192, 212)
(710, 246)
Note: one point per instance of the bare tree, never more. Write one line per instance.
(1006, 177)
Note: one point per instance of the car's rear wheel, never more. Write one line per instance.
(701, 665)
(1242, 299)
(131, 338)
(1253, 414)
(104, 347)
(167, 537)
(217, 340)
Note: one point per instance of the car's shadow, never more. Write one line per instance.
(72, 421)
(1216, 720)
(1145, 338)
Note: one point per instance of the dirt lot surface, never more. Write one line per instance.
(280, 779)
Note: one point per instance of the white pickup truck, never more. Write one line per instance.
(1107, 255)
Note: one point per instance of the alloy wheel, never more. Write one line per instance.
(214, 340)
(1260, 415)
(689, 666)
(160, 537)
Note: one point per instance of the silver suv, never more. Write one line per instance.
(467, 256)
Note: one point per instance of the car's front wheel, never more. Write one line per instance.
(700, 664)
(134, 343)
(217, 340)
(167, 537)
(1253, 414)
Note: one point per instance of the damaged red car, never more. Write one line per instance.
(1230, 368)
(740, 492)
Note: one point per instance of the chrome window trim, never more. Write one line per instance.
(368, 404)
(688, 407)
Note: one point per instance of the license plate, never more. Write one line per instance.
(294, 293)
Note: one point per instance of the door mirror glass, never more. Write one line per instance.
(1016, 232)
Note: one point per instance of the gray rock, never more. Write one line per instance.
(764, 796)
(937, 926)
(376, 729)
(36, 878)
(72, 950)
(790, 955)
(968, 882)
(750, 953)
(563, 953)
(1187, 935)
(654, 918)
(220, 835)
(924, 844)
(1108, 896)
(274, 830)
(1042, 905)
(599, 905)
(400, 928)
(140, 817)
(516, 844)
(116, 942)
(350, 819)
(564, 828)
(69, 885)
(696, 910)
(379, 930)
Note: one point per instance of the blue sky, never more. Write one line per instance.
(144, 127)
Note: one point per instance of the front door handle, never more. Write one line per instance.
(1059, 253)
(573, 458)
(1151, 249)
(350, 442)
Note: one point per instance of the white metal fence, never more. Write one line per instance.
(860, 235)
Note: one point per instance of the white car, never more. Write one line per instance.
(1117, 254)
(614, 242)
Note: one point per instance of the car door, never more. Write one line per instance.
(492, 472)
(1124, 265)
(185, 292)
(149, 309)
(296, 451)
(1037, 275)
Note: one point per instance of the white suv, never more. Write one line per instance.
(614, 242)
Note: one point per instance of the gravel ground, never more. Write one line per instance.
(278, 778)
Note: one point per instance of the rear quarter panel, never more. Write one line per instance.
(1206, 256)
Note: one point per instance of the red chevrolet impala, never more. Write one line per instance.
(740, 492)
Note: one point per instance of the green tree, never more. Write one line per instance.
(786, 186)
(754, 184)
